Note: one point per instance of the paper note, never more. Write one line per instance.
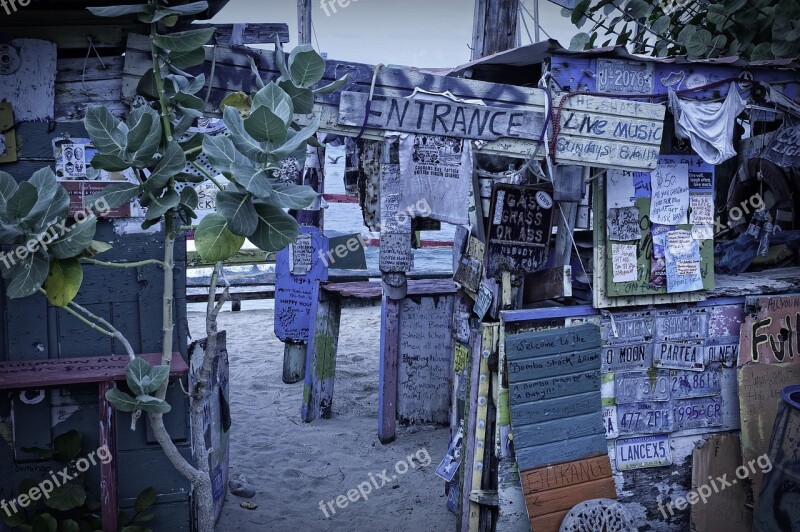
(702, 232)
(658, 266)
(670, 194)
(619, 189)
(702, 206)
(300, 254)
(623, 262)
(641, 185)
(623, 224)
(682, 254)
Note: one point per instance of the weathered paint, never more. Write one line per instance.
(769, 333)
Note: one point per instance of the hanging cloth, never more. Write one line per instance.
(708, 125)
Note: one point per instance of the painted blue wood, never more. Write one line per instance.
(560, 386)
(570, 428)
(560, 451)
(537, 344)
(558, 408)
(293, 293)
(536, 366)
(532, 314)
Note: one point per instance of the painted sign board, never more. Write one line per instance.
(554, 384)
(440, 117)
(521, 219)
(769, 333)
(642, 451)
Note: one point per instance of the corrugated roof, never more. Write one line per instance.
(534, 54)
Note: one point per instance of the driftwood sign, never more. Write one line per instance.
(440, 117)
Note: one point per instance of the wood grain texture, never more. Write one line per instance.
(321, 358)
(387, 370)
(29, 79)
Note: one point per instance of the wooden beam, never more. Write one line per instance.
(321, 357)
(108, 469)
(304, 21)
(387, 370)
(247, 33)
(495, 27)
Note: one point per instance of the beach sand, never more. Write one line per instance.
(294, 465)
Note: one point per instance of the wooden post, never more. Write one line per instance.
(387, 370)
(294, 361)
(108, 470)
(304, 21)
(320, 366)
(494, 27)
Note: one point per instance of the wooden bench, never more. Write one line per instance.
(37, 374)
(324, 338)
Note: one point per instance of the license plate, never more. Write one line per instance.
(643, 451)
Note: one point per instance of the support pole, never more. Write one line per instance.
(304, 21)
(494, 27)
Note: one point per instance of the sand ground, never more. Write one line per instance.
(295, 465)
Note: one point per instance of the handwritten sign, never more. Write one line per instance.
(623, 224)
(396, 254)
(424, 365)
(300, 254)
(702, 209)
(448, 118)
(623, 261)
(641, 452)
(682, 257)
(670, 194)
(521, 224)
(483, 302)
(769, 332)
(554, 384)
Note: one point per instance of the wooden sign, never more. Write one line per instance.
(519, 233)
(293, 293)
(554, 382)
(759, 396)
(424, 360)
(440, 117)
(769, 334)
(550, 492)
(609, 132)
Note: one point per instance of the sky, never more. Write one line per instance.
(421, 33)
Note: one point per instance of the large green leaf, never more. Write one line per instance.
(762, 52)
(110, 163)
(66, 497)
(158, 376)
(46, 187)
(238, 209)
(222, 154)
(254, 180)
(187, 59)
(139, 123)
(336, 85)
(184, 41)
(299, 139)
(277, 100)
(145, 499)
(302, 98)
(137, 375)
(239, 101)
(638, 8)
(119, 11)
(275, 229)
(244, 142)
(306, 66)
(266, 126)
(686, 33)
(67, 446)
(151, 404)
(70, 525)
(280, 60)
(159, 206)
(109, 135)
(27, 276)
(214, 240)
(189, 197)
(291, 196)
(121, 400)
(63, 281)
(8, 185)
(44, 522)
(699, 42)
(22, 201)
(114, 195)
(169, 14)
(76, 240)
(661, 25)
(172, 162)
(56, 209)
(578, 41)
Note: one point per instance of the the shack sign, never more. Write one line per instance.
(448, 118)
(769, 333)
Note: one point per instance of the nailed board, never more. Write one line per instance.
(763, 336)
(759, 397)
(602, 132)
(554, 377)
(28, 78)
(550, 492)
(293, 293)
(521, 219)
(441, 117)
(425, 360)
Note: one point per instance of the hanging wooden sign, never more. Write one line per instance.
(521, 224)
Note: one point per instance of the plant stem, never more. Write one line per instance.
(137, 264)
(162, 99)
(207, 174)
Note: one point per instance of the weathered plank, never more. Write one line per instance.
(29, 68)
(575, 426)
(553, 453)
(388, 369)
(321, 357)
